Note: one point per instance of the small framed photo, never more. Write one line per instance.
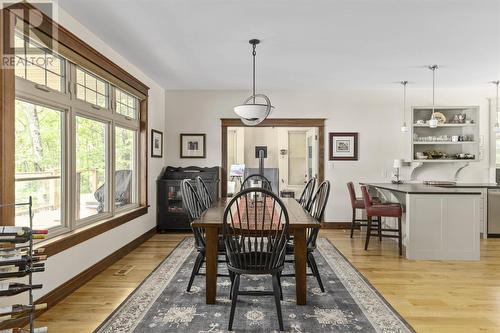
(156, 143)
(193, 145)
(343, 146)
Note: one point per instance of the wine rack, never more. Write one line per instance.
(17, 259)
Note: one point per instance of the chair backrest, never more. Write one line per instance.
(255, 228)
(194, 208)
(306, 196)
(317, 209)
(352, 193)
(367, 199)
(256, 178)
(203, 192)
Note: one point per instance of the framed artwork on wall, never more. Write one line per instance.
(343, 146)
(193, 145)
(156, 143)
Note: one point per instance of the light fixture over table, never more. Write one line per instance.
(250, 112)
(433, 122)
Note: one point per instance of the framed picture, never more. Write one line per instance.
(156, 143)
(193, 145)
(343, 146)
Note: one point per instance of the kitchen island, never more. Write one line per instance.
(439, 223)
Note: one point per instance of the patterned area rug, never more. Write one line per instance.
(161, 304)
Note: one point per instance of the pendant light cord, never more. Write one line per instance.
(254, 53)
(404, 83)
(433, 88)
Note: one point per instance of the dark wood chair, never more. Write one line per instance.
(255, 228)
(382, 210)
(306, 196)
(256, 178)
(195, 208)
(316, 209)
(358, 203)
(203, 192)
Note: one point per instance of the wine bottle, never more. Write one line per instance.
(19, 239)
(20, 267)
(24, 330)
(20, 231)
(20, 259)
(21, 273)
(20, 250)
(14, 288)
(19, 310)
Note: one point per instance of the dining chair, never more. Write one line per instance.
(255, 226)
(306, 196)
(316, 209)
(204, 193)
(195, 208)
(256, 178)
(383, 210)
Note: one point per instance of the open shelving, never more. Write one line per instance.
(453, 151)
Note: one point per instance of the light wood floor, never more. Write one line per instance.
(459, 297)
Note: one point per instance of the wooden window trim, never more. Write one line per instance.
(273, 122)
(118, 76)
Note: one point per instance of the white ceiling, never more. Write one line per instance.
(203, 44)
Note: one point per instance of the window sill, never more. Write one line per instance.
(63, 242)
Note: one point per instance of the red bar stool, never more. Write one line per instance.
(382, 210)
(358, 203)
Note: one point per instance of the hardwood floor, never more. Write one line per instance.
(432, 296)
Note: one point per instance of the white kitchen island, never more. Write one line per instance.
(438, 223)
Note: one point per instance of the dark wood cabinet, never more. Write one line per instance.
(170, 209)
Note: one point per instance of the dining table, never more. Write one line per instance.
(299, 222)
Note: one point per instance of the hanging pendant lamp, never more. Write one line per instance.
(404, 128)
(251, 112)
(433, 122)
(496, 127)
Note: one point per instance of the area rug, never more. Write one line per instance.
(161, 303)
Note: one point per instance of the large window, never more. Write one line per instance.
(77, 149)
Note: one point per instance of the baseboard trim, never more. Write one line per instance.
(336, 225)
(61, 292)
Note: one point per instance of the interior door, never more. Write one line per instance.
(312, 153)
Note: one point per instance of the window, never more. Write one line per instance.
(125, 160)
(89, 137)
(91, 89)
(39, 163)
(297, 155)
(126, 104)
(91, 184)
(38, 64)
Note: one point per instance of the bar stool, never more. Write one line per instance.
(358, 203)
(382, 210)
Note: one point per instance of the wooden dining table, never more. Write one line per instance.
(299, 222)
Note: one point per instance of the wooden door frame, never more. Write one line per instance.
(274, 122)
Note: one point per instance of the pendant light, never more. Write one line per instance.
(254, 113)
(433, 122)
(496, 127)
(404, 128)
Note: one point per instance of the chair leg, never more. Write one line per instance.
(196, 268)
(231, 277)
(353, 221)
(314, 267)
(277, 300)
(379, 219)
(400, 237)
(279, 283)
(234, 298)
(368, 231)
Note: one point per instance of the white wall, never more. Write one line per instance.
(261, 136)
(65, 265)
(375, 114)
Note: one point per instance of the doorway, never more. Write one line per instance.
(294, 153)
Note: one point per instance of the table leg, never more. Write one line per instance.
(299, 243)
(212, 242)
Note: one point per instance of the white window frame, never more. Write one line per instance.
(73, 107)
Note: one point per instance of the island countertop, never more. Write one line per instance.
(411, 188)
